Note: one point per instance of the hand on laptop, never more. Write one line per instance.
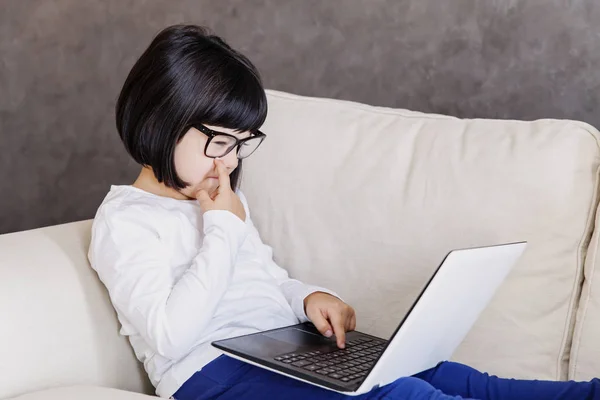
(330, 315)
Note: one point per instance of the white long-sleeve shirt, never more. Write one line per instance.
(180, 279)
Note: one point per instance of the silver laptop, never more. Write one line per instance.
(440, 318)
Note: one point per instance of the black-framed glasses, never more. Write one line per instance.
(219, 144)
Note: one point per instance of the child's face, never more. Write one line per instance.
(194, 167)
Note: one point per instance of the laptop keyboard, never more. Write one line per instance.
(346, 365)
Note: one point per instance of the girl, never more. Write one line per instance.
(182, 261)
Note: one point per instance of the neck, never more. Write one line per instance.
(148, 182)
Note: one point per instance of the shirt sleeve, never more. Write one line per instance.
(131, 261)
(294, 290)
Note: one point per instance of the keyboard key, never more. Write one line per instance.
(301, 363)
(335, 376)
(312, 367)
(322, 372)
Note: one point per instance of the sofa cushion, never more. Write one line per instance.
(82, 393)
(368, 200)
(58, 326)
(585, 352)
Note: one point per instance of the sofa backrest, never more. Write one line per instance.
(57, 326)
(368, 200)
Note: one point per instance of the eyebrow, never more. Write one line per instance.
(241, 135)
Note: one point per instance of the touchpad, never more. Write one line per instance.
(299, 337)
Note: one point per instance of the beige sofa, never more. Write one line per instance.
(366, 201)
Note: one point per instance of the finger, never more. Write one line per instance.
(322, 325)
(352, 322)
(224, 183)
(203, 198)
(214, 194)
(337, 322)
(349, 318)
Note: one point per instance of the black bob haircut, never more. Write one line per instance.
(187, 75)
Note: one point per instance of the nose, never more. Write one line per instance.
(231, 160)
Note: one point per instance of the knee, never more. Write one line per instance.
(442, 369)
(409, 388)
(455, 369)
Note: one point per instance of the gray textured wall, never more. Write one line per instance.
(62, 63)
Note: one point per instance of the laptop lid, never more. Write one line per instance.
(444, 313)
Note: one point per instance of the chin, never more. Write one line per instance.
(210, 189)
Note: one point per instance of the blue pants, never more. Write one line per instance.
(226, 378)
